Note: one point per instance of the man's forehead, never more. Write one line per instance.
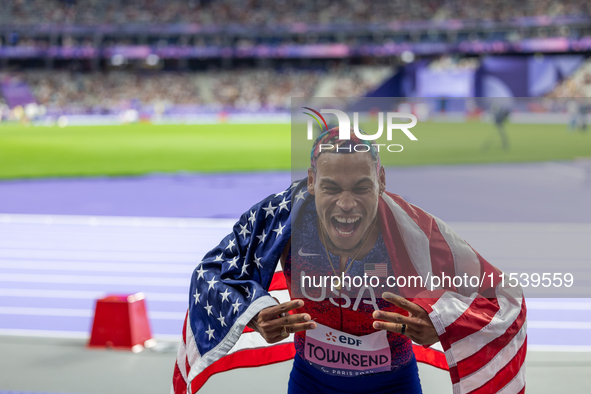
(330, 180)
(351, 165)
(357, 158)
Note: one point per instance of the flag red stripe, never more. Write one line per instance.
(430, 356)
(184, 339)
(185, 328)
(506, 374)
(439, 250)
(244, 359)
(473, 363)
(475, 318)
(489, 268)
(178, 382)
(278, 282)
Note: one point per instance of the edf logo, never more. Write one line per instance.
(349, 341)
(345, 124)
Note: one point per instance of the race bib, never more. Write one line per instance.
(337, 353)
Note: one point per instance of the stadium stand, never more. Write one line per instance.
(111, 90)
(170, 56)
(240, 89)
(257, 12)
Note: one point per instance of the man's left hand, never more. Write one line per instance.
(419, 327)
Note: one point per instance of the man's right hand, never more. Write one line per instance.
(270, 321)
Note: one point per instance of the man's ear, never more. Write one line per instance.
(382, 177)
(311, 179)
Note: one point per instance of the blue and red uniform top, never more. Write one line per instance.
(346, 310)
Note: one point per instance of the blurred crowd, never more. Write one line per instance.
(507, 9)
(267, 88)
(269, 12)
(253, 89)
(354, 82)
(111, 90)
(238, 89)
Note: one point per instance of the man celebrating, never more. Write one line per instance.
(340, 223)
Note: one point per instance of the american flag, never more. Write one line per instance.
(380, 269)
(482, 331)
(232, 283)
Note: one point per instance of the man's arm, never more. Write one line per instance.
(272, 321)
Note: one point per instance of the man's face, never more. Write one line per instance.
(346, 189)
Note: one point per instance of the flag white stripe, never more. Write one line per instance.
(281, 295)
(193, 354)
(254, 340)
(450, 307)
(181, 357)
(465, 259)
(415, 240)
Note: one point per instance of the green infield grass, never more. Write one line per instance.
(142, 148)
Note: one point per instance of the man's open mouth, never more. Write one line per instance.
(345, 225)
